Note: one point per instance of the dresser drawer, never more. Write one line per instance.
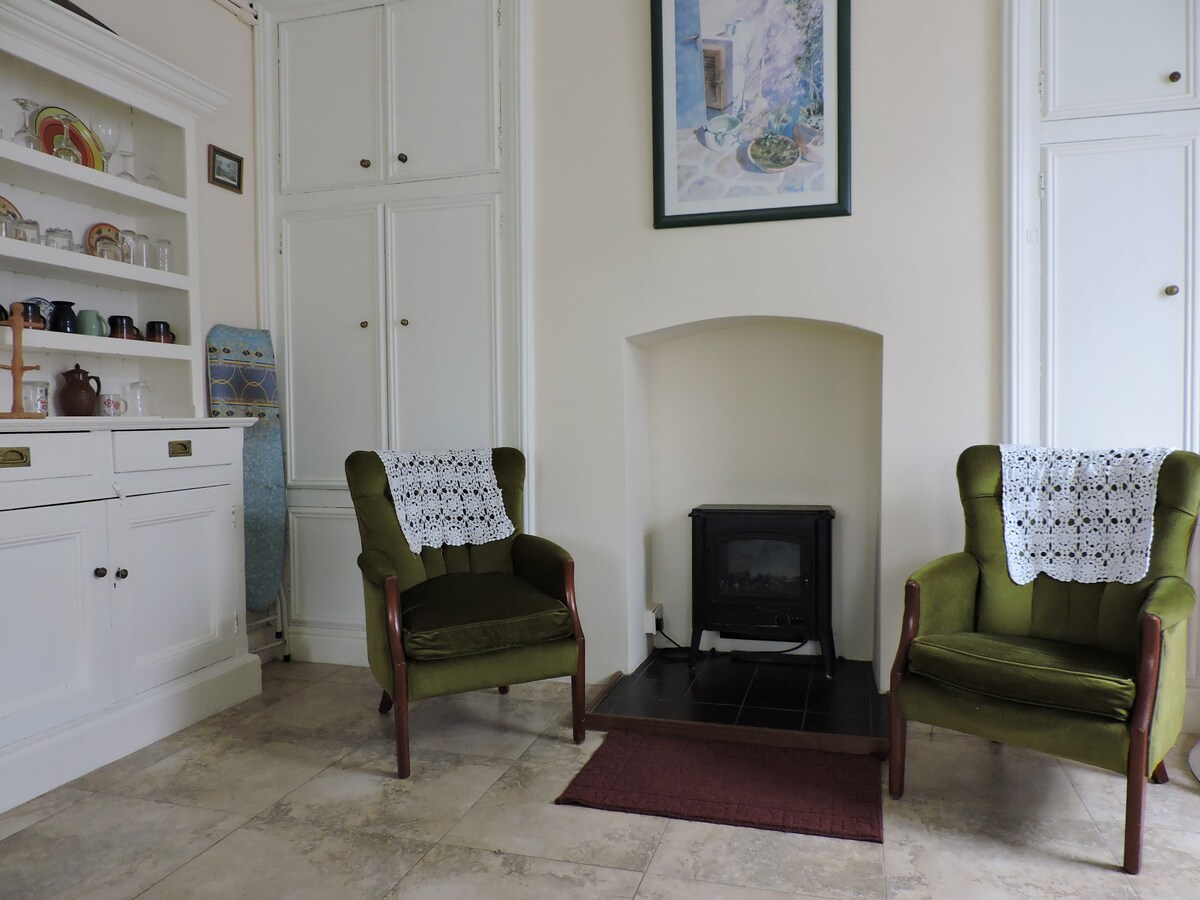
(143, 451)
(32, 457)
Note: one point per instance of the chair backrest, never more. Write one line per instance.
(380, 529)
(1099, 615)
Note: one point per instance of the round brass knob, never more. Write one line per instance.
(1174, 76)
(362, 324)
(1172, 290)
(365, 163)
(404, 322)
(99, 571)
(122, 573)
(403, 157)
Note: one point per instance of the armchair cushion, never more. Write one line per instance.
(1043, 673)
(463, 614)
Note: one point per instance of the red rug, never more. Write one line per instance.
(778, 788)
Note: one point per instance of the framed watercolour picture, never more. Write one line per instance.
(224, 169)
(751, 110)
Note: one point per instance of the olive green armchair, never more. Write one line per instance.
(1090, 672)
(455, 619)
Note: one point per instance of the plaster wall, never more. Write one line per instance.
(209, 42)
(918, 263)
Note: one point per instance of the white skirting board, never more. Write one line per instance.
(339, 646)
(45, 761)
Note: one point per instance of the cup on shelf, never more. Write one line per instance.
(31, 313)
(29, 230)
(122, 327)
(91, 322)
(108, 249)
(128, 241)
(60, 238)
(113, 405)
(8, 226)
(160, 332)
(138, 396)
(35, 396)
(143, 252)
(163, 256)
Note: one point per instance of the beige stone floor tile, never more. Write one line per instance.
(293, 860)
(304, 671)
(274, 689)
(482, 723)
(1175, 804)
(360, 675)
(106, 847)
(230, 773)
(518, 815)
(959, 850)
(980, 774)
(107, 777)
(454, 873)
(1170, 861)
(769, 860)
(662, 887)
(361, 792)
(327, 710)
(39, 808)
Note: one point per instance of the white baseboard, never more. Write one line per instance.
(339, 646)
(45, 761)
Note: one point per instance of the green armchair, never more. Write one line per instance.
(455, 619)
(1090, 672)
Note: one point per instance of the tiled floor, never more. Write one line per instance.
(729, 689)
(293, 794)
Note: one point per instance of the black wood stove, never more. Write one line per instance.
(762, 573)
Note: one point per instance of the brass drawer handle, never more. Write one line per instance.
(176, 449)
(15, 458)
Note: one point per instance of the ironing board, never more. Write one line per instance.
(242, 382)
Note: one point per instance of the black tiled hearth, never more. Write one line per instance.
(789, 693)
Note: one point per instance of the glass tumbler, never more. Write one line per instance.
(35, 396)
(143, 252)
(137, 395)
(59, 238)
(29, 230)
(162, 248)
(128, 242)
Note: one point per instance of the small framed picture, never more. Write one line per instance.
(224, 169)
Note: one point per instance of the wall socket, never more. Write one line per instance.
(653, 619)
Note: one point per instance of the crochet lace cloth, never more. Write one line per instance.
(1079, 515)
(446, 498)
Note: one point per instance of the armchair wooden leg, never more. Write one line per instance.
(1135, 808)
(400, 717)
(385, 703)
(503, 689)
(898, 743)
(578, 703)
(1160, 773)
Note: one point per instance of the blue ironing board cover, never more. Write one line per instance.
(242, 382)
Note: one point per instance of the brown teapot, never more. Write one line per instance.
(76, 397)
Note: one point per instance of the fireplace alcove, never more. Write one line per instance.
(754, 410)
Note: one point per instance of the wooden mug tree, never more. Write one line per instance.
(18, 368)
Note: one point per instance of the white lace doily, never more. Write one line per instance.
(449, 498)
(1079, 515)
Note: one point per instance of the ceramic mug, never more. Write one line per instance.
(112, 405)
(122, 327)
(160, 332)
(91, 322)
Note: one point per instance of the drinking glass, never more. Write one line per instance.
(108, 249)
(61, 238)
(151, 179)
(128, 242)
(126, 163)
(26, 135)
(29, 230)
(8, 226)
(143, 252)
(138, 397)
(63, 147)
(108, 132)
(163, 248)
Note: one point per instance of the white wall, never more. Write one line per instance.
(210, 43)
(770, 411)
(918, 263)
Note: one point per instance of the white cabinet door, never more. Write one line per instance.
(326, 585)
(1118, 300)
(331, 100)
(54, 626)
(445, 103)
(178, 582)
(442, 293)
(333, 321)
(1104, 57)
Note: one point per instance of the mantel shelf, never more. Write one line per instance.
(44, 173)
(50, 262)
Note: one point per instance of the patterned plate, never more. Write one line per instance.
(49, 125)
(7, 209)
(98, 231)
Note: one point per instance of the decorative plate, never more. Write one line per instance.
(98, 231)
(773, 152)
(48, 124)
(7, 209)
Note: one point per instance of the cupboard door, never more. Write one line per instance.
(177, 566)
(445, 95)
(331, 100)
(1118, 297)
(336, 397)
(55, 664)
(325, 582)
(442, 295)
(1105, 57)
